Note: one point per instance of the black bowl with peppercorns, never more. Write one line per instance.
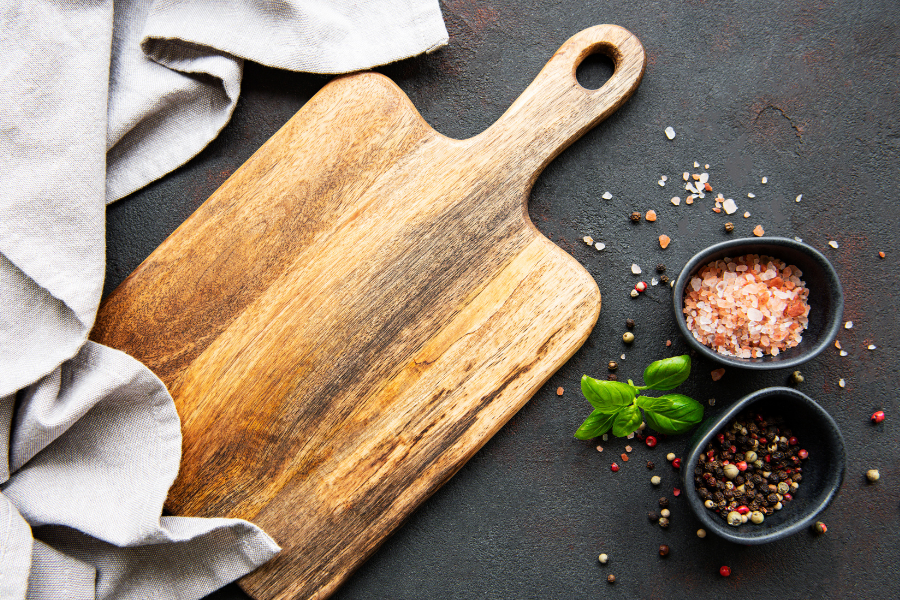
(723, 339)
(764, 468)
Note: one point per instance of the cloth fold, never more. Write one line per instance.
(98, 99)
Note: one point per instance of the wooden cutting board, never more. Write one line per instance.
(359, 308)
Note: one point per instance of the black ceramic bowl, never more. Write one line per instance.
(823, 471)
(826, 298)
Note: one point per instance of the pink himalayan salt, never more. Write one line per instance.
(748, 306)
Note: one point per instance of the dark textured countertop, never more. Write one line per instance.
(803, 93)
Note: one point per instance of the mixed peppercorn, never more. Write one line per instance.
(750, 469)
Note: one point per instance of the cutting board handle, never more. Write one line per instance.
(555, 110)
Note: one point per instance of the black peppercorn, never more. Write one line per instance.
(652, 516)
(635, 217)
(650, 465)
(729, 227)
(664, 278)
(664, 502)
(610, 578)
(663, 550)
(629, 323)
(612, 377)
(660, 268)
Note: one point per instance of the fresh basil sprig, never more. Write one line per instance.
(618, 405)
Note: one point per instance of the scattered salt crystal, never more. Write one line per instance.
(798, 198)
(689, 200)
(704, 177)
(628, 448)
(690, 187)
(588, 240)
(843, 353)
(837, 344)
(635, 269)
(607, 196)
(661, 183)
(630, 436)
(599, 448)
(841, 382)
(600, 246)
(676, 200)
(664, 177)
(747, 215)
(765, 180)
(833, 244)
(871, 346)
(654, 281)
(729, 206)
(696, 164)
(685, 175)
(798, 239)
(705, 166)
(754, 314)
(670, 133)
(712, 401)
(622, 357)
(751, 195)
(848, 325)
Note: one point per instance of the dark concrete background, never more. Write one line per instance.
(805, 93)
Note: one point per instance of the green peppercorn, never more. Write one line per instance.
(627, 337)
(796, 377)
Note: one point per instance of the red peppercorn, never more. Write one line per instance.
(721, 438)
(732, 449)
(878, 416)
(724, 571)
(742, 465)
(768, 458)
(802, 453)
(711, 454)
(788, 497)
(651, 441)
(793, 441)
(762, 440)
(614, 467)
(676, 463)
(641, 286)
(743, 509)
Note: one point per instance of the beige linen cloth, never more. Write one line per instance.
(97, 99)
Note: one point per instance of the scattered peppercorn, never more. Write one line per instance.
(624, 457)
(664, 278)
(881, 255)
(655, 480)
(729, 227)
(614, 467)
(878, 416)
(613, 365)
(676, 462)
(627, 337)
(650, 441)
(663, 550)
(612, 377)
(663, 522)
(797, 377)
(610, 578)
(603, 558)
(629, 323)
(873, 475)
(652, 517)
(670, 456)
(664, 502)
(635, 217)
(701, 533)
(650, 464)
(820, 527)
(665, 513)
(724, 571)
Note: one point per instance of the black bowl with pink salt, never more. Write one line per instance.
(758, 303)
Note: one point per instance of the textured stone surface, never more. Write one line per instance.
(804, 93)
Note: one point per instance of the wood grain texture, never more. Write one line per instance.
(359, 308)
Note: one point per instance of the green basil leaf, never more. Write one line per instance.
(608, 397)
(595, 425)
(672, 413)
(667, 374)
(626, 420)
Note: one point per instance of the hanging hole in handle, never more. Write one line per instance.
(595, 70)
